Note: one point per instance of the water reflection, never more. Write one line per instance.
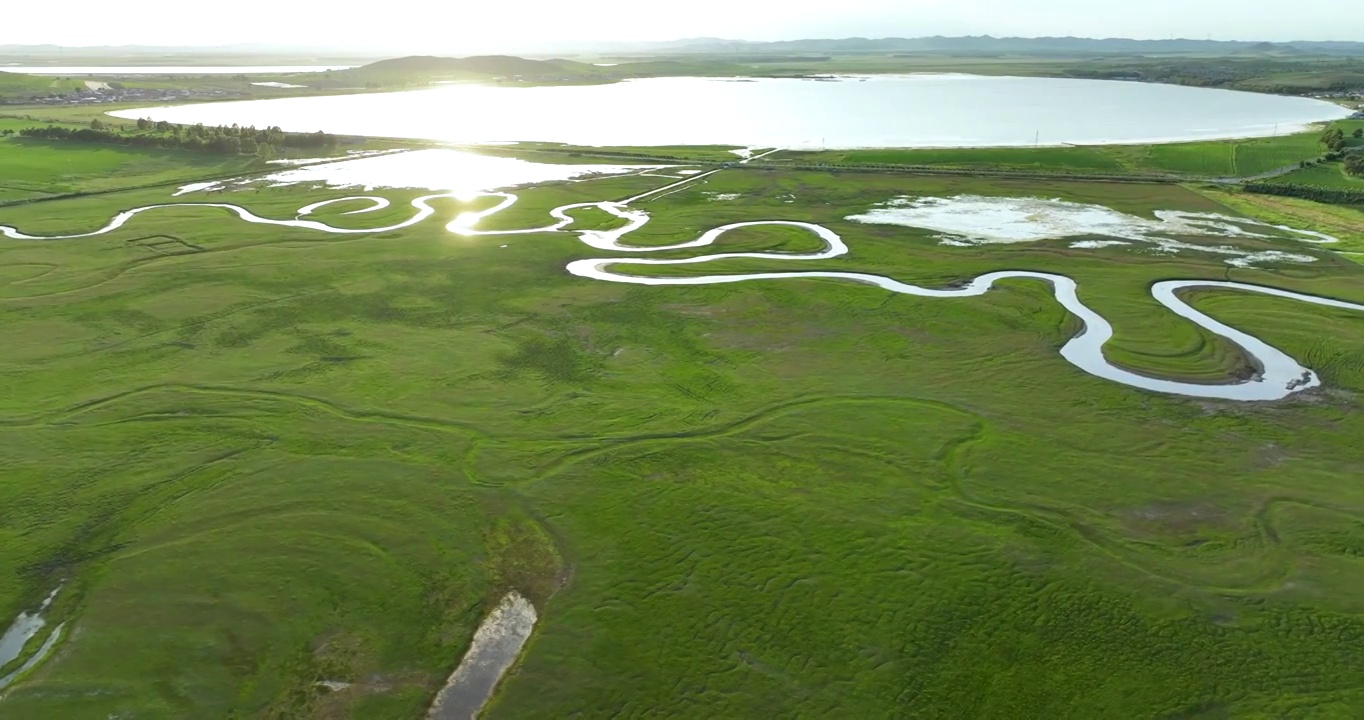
(495, 647)
(880, 111)
(447, 170)
(24, 629)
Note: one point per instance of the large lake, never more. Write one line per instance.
(877, 111)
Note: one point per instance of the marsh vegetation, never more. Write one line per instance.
(266, 458)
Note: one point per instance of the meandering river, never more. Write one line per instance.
(1278, 376)
(850, 112)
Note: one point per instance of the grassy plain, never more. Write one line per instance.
(19, 84)
(1343, 222)
(19, 87)
(1330, 174)
(265, 457)
(35, 169)
(1214, 159)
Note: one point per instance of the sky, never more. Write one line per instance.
(471, 26)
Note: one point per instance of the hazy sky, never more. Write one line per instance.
(475, 26)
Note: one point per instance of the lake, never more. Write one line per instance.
(168, 69)
(849, 112)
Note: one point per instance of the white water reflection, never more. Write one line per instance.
(26, 627)
(880, 111)
(32, 662)
(449, 170)
(969, 220)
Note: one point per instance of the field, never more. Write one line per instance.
(1343, 222)
(16, 84)
(37, 169)
(16, 87)
(259, 458)
(1220, 159)
(1331, 175)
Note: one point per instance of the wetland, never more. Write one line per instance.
(736, 438)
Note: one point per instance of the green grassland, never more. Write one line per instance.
(1329, 174)
(1343, 222)
(1212, 159)
(37, 169)
(20, 87)
(265, 457)
(19, 84)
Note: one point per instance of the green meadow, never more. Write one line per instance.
(259, 458)
(1212, 159)
(1328, 175)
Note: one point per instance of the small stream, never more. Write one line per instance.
(38, 657)
(496, 645)
(24, 629)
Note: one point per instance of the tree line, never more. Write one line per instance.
(1334, 196)
(220, 140)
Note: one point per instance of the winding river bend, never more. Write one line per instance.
(1279, 375)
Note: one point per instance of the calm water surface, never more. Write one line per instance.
(879, 111)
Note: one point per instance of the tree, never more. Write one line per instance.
(96, 124)
(144, 124)
(1354, 165)
(1358, 133)
(1334, 139)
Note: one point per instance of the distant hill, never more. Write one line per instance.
(987, 45)
(1273, 49)
(421, 69)
(984, 44)
(418, 69)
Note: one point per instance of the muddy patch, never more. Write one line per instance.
(1178, 518)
